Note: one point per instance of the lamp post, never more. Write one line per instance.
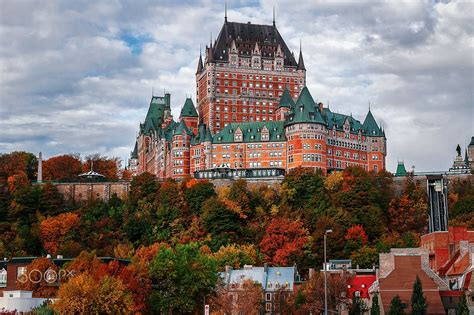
(325, 275)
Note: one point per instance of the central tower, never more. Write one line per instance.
(244, 74)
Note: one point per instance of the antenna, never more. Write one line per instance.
(274, 16)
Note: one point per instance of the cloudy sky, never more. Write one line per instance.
(77, 76)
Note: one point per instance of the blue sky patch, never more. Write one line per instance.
(135, 41)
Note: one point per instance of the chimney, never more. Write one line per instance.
(40, 168)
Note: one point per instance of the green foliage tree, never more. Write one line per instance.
(197, 194)
(375, 309)
(365, 257)
(418, 300)
(462, 308)
(397, 307)
(142, 187)
(222, 223)
(182, 277)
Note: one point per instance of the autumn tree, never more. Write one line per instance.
(83, 294)
(409, 212)
(143, 187)
(313, 291)
(109, 167)
(51, 201)
(41, 276)
(236, 256)
(247, 299)
(284, 241)
(355, 239)
(54, 230)
(182, 277)
(196, 193)
(365, 257)
(222, 223)
(18, 162)
(62, 167)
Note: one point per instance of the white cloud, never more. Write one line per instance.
(70, 83)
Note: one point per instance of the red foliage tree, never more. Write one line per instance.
(283, 240)
(357, 234)
(62, 167)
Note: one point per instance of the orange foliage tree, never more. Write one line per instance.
(62, 167)
(54, 230)
(283, 241)
(40, 278)
(109, 167)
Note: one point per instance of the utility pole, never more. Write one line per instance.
(325, 275)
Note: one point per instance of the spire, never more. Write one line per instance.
(200, 66)
(188, 109)
(273, 16)
(225, 14)
(300, 60)
(370, 126)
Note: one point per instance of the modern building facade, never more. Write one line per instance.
(255, 118)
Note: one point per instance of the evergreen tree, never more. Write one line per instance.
(397, 307)
(462, 308)
(418, 300)
(358, 306)
(375, 309)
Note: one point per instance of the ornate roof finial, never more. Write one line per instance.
(369, 105)
(225, 14)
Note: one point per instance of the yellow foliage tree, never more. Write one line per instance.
(84, 295)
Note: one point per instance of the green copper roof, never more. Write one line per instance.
(154, 116)
(134, 154)
(182, 128)
(203, 135)
(401, 171)
(370, 126)
(338, 120)
(286, 100)
(305, 110)
(188, 109)
(252, 132)
(472, 141)
(168, 130)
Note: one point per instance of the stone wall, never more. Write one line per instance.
(83, 191)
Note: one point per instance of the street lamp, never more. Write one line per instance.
(325, 275)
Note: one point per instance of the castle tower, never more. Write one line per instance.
(189, 115)
(306, 132)
(284, 106)
(376, 144)
(244, 75)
